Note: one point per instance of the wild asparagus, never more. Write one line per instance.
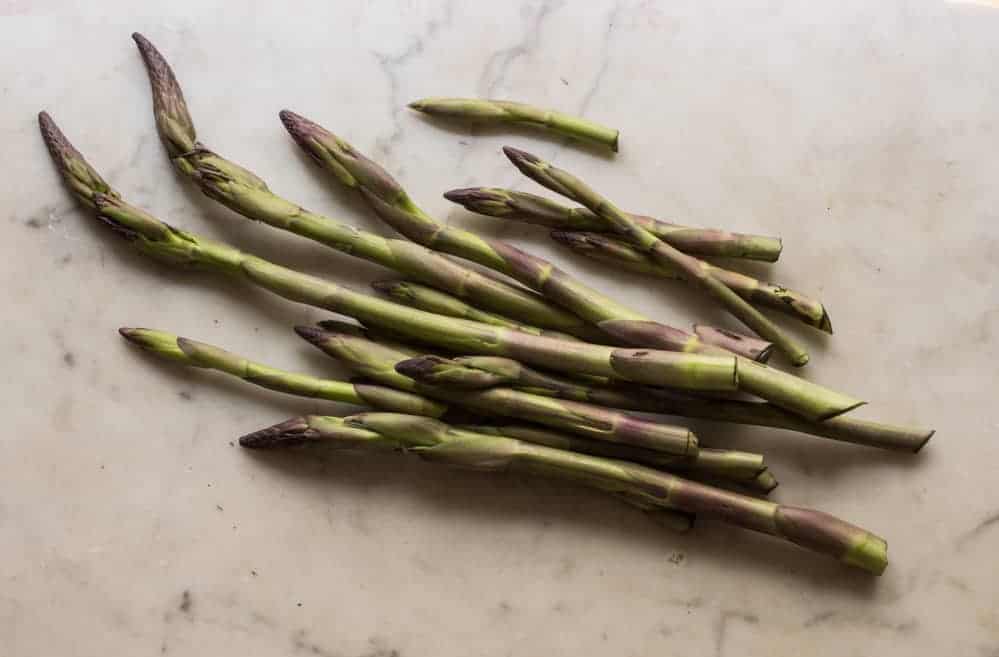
(521, 206)
(378, 362)
(679, 370)
(415, 295)
(437, 442)
(394, 206)
(243, 192)
(618, 253)
(493, 112)
(694, 270)
(390, 201)
(426, 298)
(725, 464)
(473, 371)
(742, 467)
(199, 354)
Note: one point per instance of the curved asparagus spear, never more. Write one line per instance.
(426, 298)
(618, 253)
(378, 362)
(532, 209)
(241, 191)
(394, 206)
(435, 441)
(199, 354)
(694, 270)
(472, 371)
(504, 111)
(679, 370)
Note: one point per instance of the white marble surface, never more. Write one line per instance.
(863, 133)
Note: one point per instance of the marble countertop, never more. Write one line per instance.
(865, 134)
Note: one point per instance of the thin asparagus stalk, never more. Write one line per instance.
(618, 253)
(394, 206)
(184, 249)
(437, 442)
(732, 465)
(741, 467)
(199, 354)
(416, 295)
(473, 371)
(532, 209)
(493, 112)
(379, 363)
(694, 270)
(242, 191)
(426, 298)
(390, 201)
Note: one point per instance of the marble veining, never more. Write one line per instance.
(132, 523)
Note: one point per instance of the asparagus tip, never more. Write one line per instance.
(129, 333)
(300, 128)
(417, 105)
(519, 157)
(59, 147)
(310, 333)
(420, 367)
(460, 196)
(285, 434)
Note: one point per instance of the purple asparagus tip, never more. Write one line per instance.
(311, 334)
(300, 128)
(420, 367)
(286, 434)
(519, 157)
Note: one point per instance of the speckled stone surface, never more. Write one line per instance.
(863, 133)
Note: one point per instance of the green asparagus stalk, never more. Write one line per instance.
(532, 209)
(618, 253)
(415, 295)
(184, 249)
(426, 298)
(437, 442)
(493, 112)
(379, 363)
(478, 372)
(394, 206)
(741, 467)
(694, 270)
(199, 354)
(245, 193)
(729, 465)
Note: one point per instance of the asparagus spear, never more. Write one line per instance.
(472, 371)
(521, 206)
(741, 467)
(492, 112)
(415, 295)
(694, 270)
(606, 248)
(679, 370)
(394, 206)
(199, 354)
(435, 441)
(426, 298)
(378, 362)
(241, 191)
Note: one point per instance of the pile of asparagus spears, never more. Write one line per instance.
(543, 366)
